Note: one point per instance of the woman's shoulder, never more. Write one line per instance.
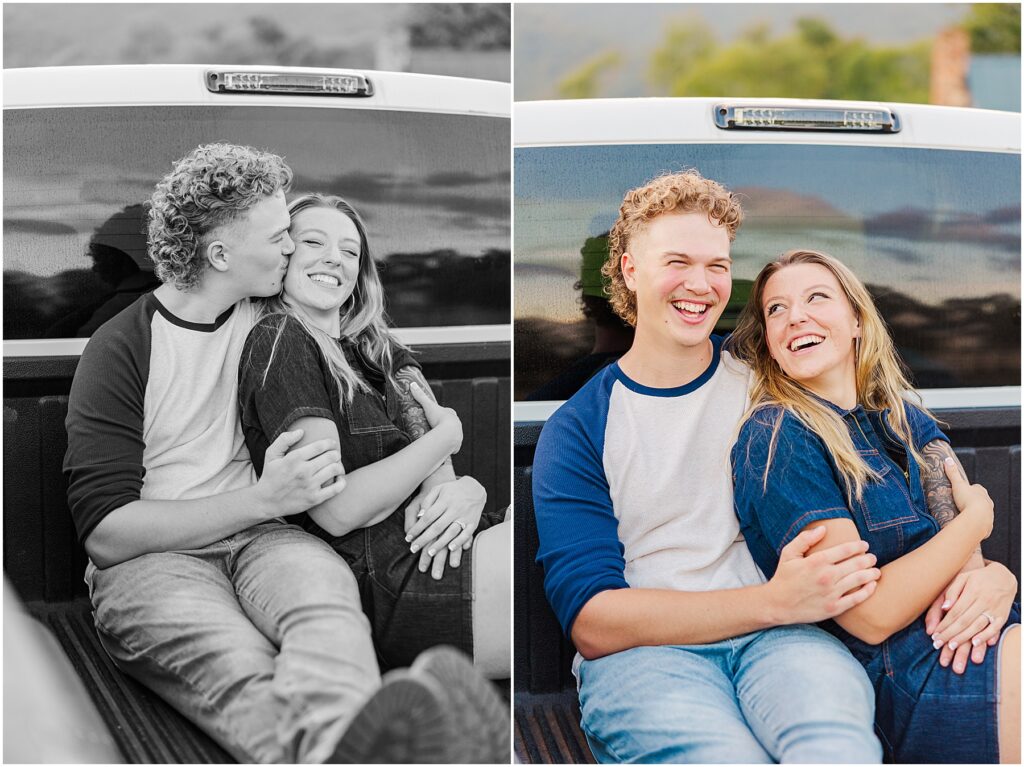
(278, 339)
(923, 426)
(766, 420)
(277, 328)
(773, 429)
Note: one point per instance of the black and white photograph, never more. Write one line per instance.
(257, 368)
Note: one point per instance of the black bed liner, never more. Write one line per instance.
(547, 729)
(145, 729)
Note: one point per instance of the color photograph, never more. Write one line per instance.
(767, 381)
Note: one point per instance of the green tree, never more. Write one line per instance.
(464, 26)
(686, 43)
(812, 61)
(994, 27)
(584, 82)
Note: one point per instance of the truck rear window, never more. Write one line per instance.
(433, 189)
(935, 234)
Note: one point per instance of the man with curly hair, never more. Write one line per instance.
(251, 627)
(686, 654)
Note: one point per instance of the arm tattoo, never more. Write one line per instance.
(411, 417)
(937, 491)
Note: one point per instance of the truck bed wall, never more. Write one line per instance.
(42, 557)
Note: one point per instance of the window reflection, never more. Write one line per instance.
(433, 189)
(935, 235)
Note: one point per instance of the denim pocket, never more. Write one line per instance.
(371, 436)
(886, 508)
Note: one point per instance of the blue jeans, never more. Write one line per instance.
(787, 694)
(259, 639)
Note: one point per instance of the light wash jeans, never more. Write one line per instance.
(787, 694)
(259, 639)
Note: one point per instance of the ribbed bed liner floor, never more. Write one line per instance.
(547, 730)
(146, 729)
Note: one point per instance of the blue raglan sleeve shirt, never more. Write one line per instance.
(579, 548)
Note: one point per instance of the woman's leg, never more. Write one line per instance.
(492, 607)
(1009, 697)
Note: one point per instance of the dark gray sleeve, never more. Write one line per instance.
(103, 464)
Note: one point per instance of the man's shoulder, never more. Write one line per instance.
(127, 323)
(125, 336)
(734, 369)
(587, 405)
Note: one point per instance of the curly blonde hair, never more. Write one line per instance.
(683, 192)
(210, 187)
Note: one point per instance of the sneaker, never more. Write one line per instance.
(407, 721)
(478, 711)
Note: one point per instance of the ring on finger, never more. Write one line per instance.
(463, 527)
(990, 619)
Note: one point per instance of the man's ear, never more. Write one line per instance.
(628, 268)
(218, 256)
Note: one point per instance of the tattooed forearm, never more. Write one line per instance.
(937, 490)
(411, 417)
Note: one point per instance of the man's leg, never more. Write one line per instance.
(305, 600)
(661, 705)
(806, 697)
(174, 622)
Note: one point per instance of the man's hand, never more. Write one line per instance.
(296, 480)
(808, 588)
(976, 605)
(440, 523)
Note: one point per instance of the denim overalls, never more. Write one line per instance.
(408, 610)
(924, 712)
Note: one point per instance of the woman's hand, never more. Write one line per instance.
(439, 417)
(938, 608)
(977, 605)
(441, 521)
(970, 499)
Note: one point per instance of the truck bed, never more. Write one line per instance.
(546, 707)
(44, 563)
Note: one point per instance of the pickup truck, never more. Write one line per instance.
(922, 202)
(425, 160)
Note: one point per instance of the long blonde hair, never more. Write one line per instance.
(363, 319)
(881, 378)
